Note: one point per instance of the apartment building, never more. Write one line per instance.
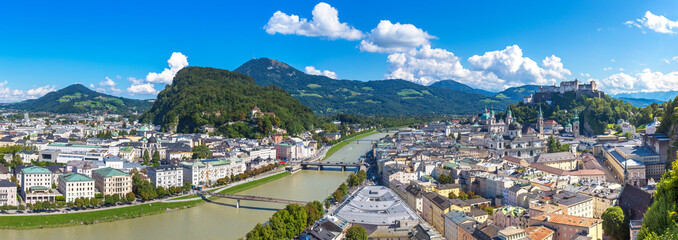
(166, 176)
(111, 181)
(75, 185)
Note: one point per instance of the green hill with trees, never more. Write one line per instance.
(328, 96)
(595, 114)
(77, 98)
(201, 96)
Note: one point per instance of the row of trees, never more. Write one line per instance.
(246, 174)
(352, 180)
(288, 223)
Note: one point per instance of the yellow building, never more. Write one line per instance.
(435, 206)
(446, 189)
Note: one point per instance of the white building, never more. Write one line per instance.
(7, 193)
(198, 172)
(75, 185)
(166, 176)
(652, 127)
(36, 185)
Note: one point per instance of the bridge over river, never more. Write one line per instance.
(251, 198)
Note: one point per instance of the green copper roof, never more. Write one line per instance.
(110, 172)
(75, 177)
(36, 170)
(38, 188)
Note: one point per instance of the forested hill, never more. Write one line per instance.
(383, 97)
(201, 96)
(451, 84)
(595, 114)
(77, 98)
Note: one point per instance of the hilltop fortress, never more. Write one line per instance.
(579, 88)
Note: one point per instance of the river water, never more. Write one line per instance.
(216, 220)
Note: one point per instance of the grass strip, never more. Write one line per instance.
(340, 145)
(248, 185)
(85, 218)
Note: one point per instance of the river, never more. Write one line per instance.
(216, 220)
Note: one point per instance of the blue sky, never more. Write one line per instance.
(625, 45)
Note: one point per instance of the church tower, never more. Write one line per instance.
(509, 118)
(575, 125)
(540, 121)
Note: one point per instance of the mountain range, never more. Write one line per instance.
(379, 97)
(326, 96)
(77, 98)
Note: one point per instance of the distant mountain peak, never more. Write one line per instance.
(78, 98)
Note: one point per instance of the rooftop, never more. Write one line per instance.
(110, 172)
(75, 177)
(375, 205)
(567, 220)
(36, 170)
(538, 233)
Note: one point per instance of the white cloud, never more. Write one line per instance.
(327, 73)
(15, 95)
(325, 23)
(389, 38)
(426, 65)
(645, 81)
(585, 75)
(607, 68)
(176, 62)
(612, 60)
(510, 65)
(495, 70)
(145, 88)
(621, 69)
(108, 82)
(657, 23)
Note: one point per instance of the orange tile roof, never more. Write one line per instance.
(538, 233)
(567, 220)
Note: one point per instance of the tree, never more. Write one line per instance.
(615, 223)
(156, 158)
(187, 187)
(201, 152)
(79, 202)
(362, 175)
(314, 212)
(94, 202)
(463, 196)
(554, 145)
(17, 161)
(445, 179)
(343, 188)
(353, 180)
(338, 195)
(452, 195)
(161, 191)
(130, 197)
(356, 232)
(146, 157)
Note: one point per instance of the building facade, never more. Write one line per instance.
(111, 181)
(74, 185)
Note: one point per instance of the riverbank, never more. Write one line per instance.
(120, 213)
(341, 144)
(85, 218)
